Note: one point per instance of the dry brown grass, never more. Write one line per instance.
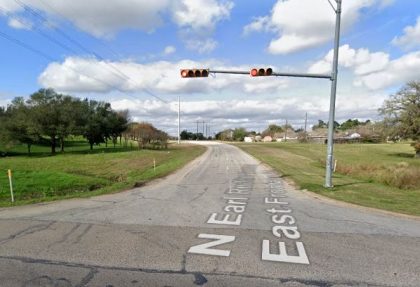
(400, 175)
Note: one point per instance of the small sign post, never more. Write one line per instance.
(9, 173)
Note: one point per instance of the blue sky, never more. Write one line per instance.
(150, 41)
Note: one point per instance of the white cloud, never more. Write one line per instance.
(373, 70)
(20, 23)
(397, 72)
(196, 19)
(201, 46)
(259, 24)
(201, 14)
(90, 75)
(102, 20)
(411, 37)
(302, 24)
(362, 61)
(9, 6)
(169, 50)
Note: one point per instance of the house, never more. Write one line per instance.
(267, 139)
(289, 135)
(248, 139)
(354, 136)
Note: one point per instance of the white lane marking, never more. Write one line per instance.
(290, 232)
(205, 247)
(225, 220)
(301, 258)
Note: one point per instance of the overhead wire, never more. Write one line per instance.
(78, 44)
(39, 16)
(116, 54)
(48, 37)
(49, 58)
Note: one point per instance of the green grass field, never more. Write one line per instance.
(79, 172)
(384, 176)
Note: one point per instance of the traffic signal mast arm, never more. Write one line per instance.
(265, 74)
(296, 75)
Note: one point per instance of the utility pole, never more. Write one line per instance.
(197, 132)
(330, 149)
(285, 132)
(306, 122)
(179, 119)
(203, 127)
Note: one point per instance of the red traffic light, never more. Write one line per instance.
(194, 73)
(261, 72)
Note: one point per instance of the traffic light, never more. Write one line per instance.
(195, 73)
(261, 72)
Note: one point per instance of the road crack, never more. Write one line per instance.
(65, 236)
(27, 231)
(79, 237)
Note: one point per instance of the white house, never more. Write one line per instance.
(267, 139)
(248, 139)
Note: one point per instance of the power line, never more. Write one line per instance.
(39, 16)
(51, 39)
(42, 54)
(24, 45)
(61, 32)
(69, 21)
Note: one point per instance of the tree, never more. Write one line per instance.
(46, 111)
(186, 135)
(350, 124)
(321, 124)
(70, 118)
(336, 125)
(402, 114)
(19, 124)
(272, 130)
(94, 128)
(3, 118)
(147, 135)
(239, 134)
(117, 124)
(225, 135)
(55, 117)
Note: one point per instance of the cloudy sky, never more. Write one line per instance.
(130, 52)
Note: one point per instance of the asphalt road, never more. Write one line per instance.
(224, 220)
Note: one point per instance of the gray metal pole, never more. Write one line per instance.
(330, 148)
(285, 132)
(179, 119)
(274, 74)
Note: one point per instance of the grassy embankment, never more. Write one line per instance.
(384, 176)
(79, 172)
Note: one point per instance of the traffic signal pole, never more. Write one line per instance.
(179, 119)
(330, 148)
(198, 73)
